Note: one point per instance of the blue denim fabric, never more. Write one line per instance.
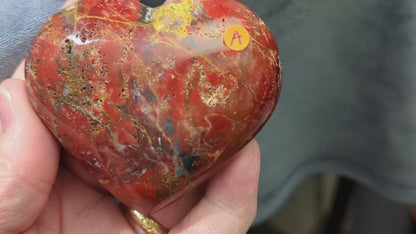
(348, 104)
(20, 20)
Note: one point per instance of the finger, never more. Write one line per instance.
(171, 215)
(19, 73)
(230, 202)
(28, 159)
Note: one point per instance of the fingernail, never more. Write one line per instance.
(6, 113)
(140, 223)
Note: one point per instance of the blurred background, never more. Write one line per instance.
(339, 153)
(329, 204)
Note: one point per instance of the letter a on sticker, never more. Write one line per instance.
(237, 38)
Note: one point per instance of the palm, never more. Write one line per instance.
(75, 207)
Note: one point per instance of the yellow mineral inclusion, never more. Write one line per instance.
(174, 17)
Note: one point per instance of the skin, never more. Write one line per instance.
(43, 191)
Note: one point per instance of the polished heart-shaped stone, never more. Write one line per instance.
(151, 101)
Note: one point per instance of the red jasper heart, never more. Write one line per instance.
(151, 101)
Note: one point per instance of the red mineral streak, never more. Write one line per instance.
(151, 101)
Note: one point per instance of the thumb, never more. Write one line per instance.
(28, 159)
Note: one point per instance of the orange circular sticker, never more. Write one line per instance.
(237, 37)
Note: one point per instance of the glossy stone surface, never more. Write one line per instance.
(151, 101)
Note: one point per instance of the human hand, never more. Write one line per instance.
(40, 195)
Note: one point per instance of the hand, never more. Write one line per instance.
(39, 195)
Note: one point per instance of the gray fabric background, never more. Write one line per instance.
(348, 104)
